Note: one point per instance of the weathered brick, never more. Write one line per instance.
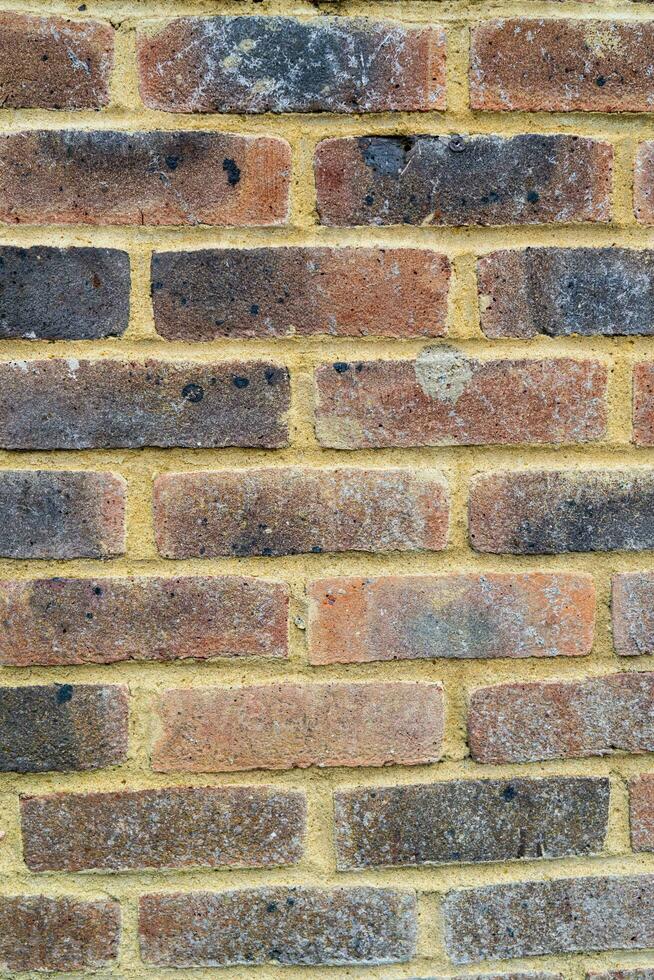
(632, 610)
(534, 918)
(644, 183)
(280, 64)
(447, 398)
(553, 511)
(294, 511)
(153, 178)
(54, 934)
(63, 293)
(281, 292)
(534, 614)
(54, 63)
(62, 727)
(71, 404)
(517, 975)
(641, 812)
(456, 180)
(470, 820)
(564, 291)
(643, 404)
(291, 926)
(562, 720)
(645, 973)
(287, 726)
(596, 66)
(59, 514)
(62, 621)
(248, 827)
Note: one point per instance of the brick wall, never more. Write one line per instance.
(327, 489)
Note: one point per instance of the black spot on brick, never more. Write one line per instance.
(240, 382)
(341, 367)
(64, 693)
(193, 392)
(233, 172)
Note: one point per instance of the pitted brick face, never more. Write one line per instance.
(641, 812)
(632, 609)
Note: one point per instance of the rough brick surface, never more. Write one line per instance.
(547, 512)
(454, 180)
(55, 934)
(163, 828)
(473, 820)
(282, 292)
(536, 614)
(153, 178)
(61, 514)
(290, 926)
(632, 608)
(643, 404)
(72, 404)
(63, 621)
(447, 398)
(646, 973)
(641, 812)
(559, 720)
(279, 64)
(286, 726)
(644, 183)
(537, 917)
(564, 291)
(293, 511)
(62, 727)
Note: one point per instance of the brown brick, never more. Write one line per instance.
(470, 820)
(282, 292)
(53, 934)
(596, 66)
(559, 720)
(63, 621)
(534, 614)
(534, 918)
(455, 180)
(644, 183)
(62, 727)
(295, 511)
(155, 178)
(280, 64)
(54, 63)
(555, 511)
(247, 827)
(287, 726)
(291, 926)
(71, 404)
(641, 812)
(643, 404)
(447, 398)
(58, 514)
(632, 608)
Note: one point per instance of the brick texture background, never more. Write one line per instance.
(327, 489)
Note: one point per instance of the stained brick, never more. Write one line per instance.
(632, 608)
(643, 404)
(641, 812)
(646, 973)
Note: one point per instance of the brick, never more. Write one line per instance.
(562, 720)
(454, 180)
(517, 975)
(287, 726)
(535, 614)
(565, 291)
(294, 511)
(290, 926)
(61, 621)
(470, 820)
(63, 293)
(155, 178)
(555, 511)
(632, 610)
(71, 404)
(643, 404)
(54, 63)
(641, 812)
(281, 292)
(62, 727)
(534, 918)
(446, 398)
(644, 183)
(247, 827)
(53, 934)
(646, 973)
(59, 514)
(594, 66)
(280, 64)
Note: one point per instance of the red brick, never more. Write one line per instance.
(63, 621)
(559, 720)
(280, 64)
(632, 608)
(641, 812)
(643, 404)
(54, 63)
(446, 398)
(280, 292)
(596, 66)
(644, 183)
(152, 178)
(287, 726)
(293, 511)
(535, 614)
